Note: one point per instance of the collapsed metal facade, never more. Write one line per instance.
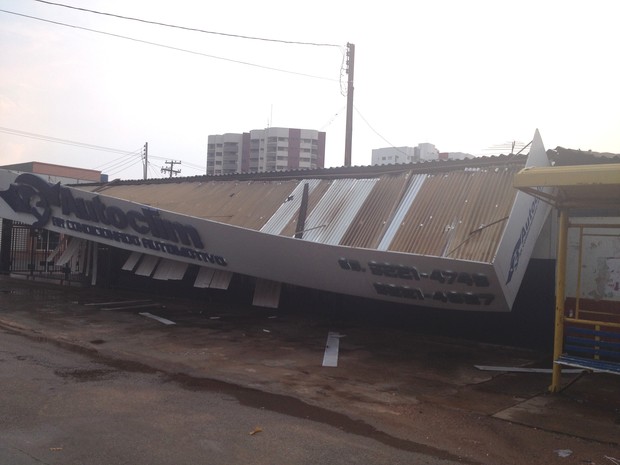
(448, 211)
(445, 234)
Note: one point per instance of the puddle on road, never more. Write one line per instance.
(294, 407)
(255, 398)
(285, 405)
(83, 375)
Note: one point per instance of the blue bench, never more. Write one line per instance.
(591, 349)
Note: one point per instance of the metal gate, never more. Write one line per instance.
(31, 250)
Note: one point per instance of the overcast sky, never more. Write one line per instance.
(466, 76)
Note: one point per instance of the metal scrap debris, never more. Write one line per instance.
(524, 369)
(158, 318)
(563, 452)
(332, 346)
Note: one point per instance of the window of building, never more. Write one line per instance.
(47, 240)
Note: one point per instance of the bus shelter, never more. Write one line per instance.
(587, 282)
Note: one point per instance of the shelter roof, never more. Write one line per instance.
(578, 179)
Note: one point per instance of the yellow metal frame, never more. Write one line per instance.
(560, 298)
(560, 316)
(580, 186)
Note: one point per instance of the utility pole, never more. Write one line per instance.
(349, 130)
(145, 157)
(171, 170)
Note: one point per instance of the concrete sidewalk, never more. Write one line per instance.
(400, 381)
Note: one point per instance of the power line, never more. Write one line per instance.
(194, 166)
(377, 133)
(238, 36)
(117, 168)
(178, 49)
(124, 167)
(332, 119)
(154, 173)
(118, 164)
(57, 140)
(111, 164)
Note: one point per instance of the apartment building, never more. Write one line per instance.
(261, 150)
(396, 155)
(422, 152)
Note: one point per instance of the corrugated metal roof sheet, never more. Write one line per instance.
(330, 219)
(289, 208)
(368, 226)
(248, 204)
(314, 198)
(457, 214)
(415, 183)
(454, 210)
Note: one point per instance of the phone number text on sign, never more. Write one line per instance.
(411, 273)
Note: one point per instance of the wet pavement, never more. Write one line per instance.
(396, 385)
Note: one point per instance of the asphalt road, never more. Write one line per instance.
(62, 407)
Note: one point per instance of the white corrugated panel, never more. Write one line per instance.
(412, 191)
(132, 261)
(56, 251)
(205, 275)
(88, 248)
(95, 267)
(147, 265)
(72, 249)
(266, 293)
(170, 269)
(282, 217)
(221, 279)
(214, 279)
(330, 219)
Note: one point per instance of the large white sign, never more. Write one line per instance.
(526, 220)
(392, 276)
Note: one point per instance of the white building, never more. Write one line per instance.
(427, 152)
(393, 155)
(422, 152)
(271, 149)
